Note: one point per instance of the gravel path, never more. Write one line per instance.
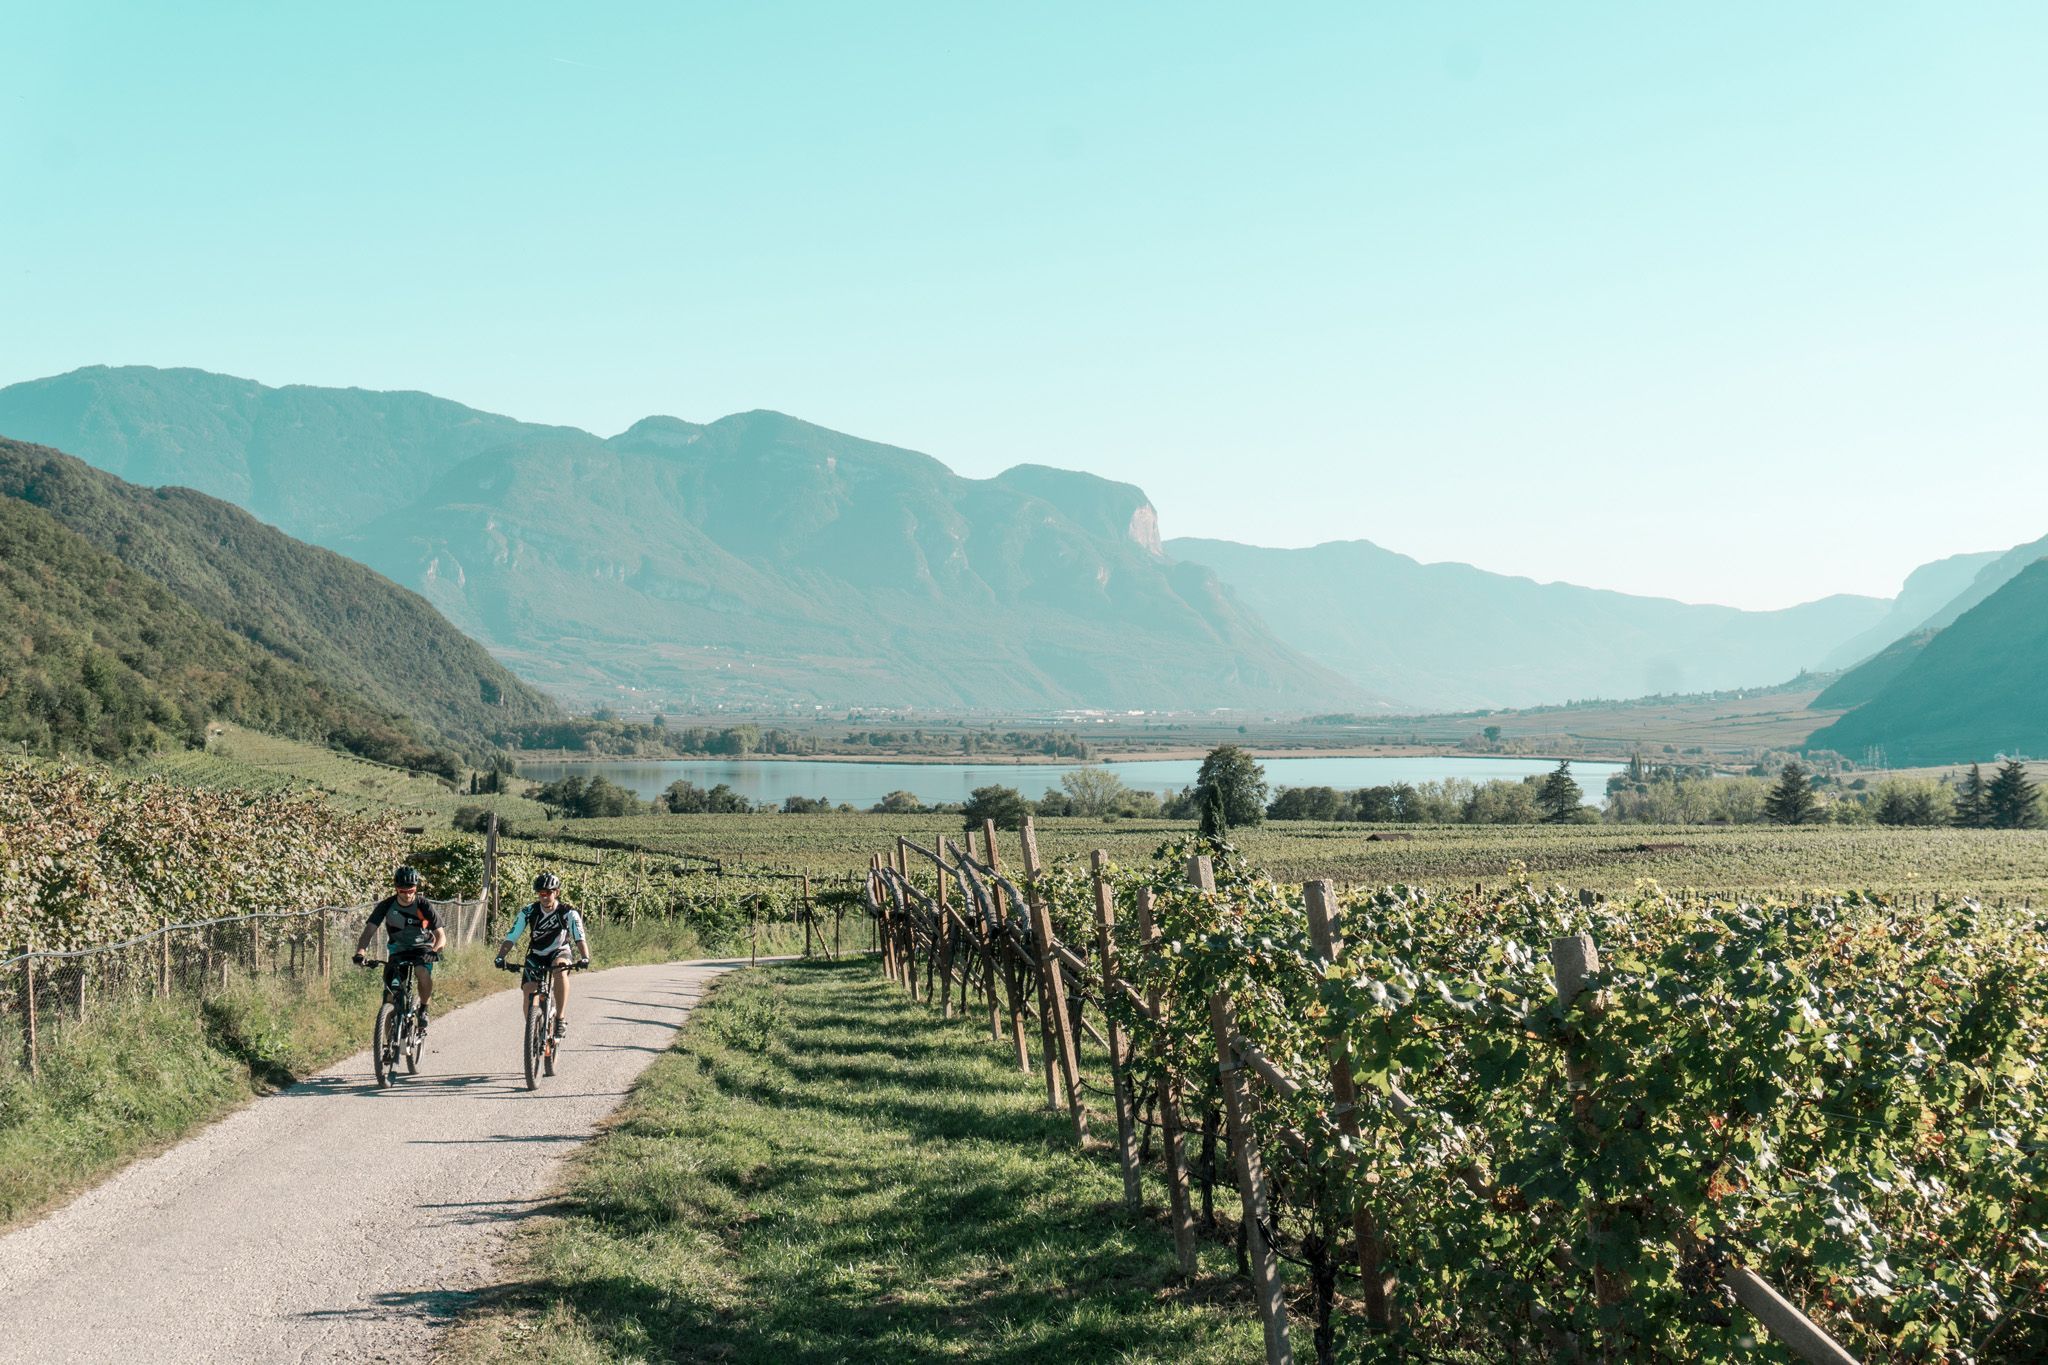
(335, 1221)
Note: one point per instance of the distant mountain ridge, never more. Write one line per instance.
(1456, 637)
(759, 559)
(753, 559)
(360, 634)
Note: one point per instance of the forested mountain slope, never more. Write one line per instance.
(1973, 691)
(98, 658)
(357, 631)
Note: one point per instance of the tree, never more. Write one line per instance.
(2012, 801)
(1215, 815)
(1559, 795)
(1094, 791)
(1306, 803)
(1004, 805)
(1792, 801)
(1233, 778)
(899, 803)
(1972, 810)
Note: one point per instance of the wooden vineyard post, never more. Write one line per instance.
(490, 883)
(1119, 1049)
(1013, 989)
(1321, 899)
(1183, 1215)
(163, 962)
(255, 947)
(78, 987)
(1573, 960)
(991, 946)
(321, 948)
(1052, 999)
(28, 1003)
(806, 902)
(881, 920)
(942, 951)
(907, 948)
(1251, 1184)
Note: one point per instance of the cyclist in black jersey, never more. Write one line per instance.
(553, 925)
(412, 933)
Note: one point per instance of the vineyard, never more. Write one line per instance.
(1531, 1124)
(1993, 864)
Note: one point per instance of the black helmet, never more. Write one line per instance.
(406, 876)
(547, 881)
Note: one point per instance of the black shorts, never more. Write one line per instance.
(537, 967)
(420, 959)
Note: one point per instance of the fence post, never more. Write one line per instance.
(28, 1003)
(1052, 999)
(163, 962)
(1573, 960)
(1181, 1206)
(942, 950)
(78, 986)
(255, 947)
(1321, 899)
(490, 896)
(1119, 1049)
(807, 915)
(1251, 1184)
(1013, 989)
(322, 949)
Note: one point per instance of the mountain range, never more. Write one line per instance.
(759, 559)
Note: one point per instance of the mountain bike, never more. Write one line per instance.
(397, 1036)
(537, 1032)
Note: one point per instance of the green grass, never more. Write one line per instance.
(821, 1171)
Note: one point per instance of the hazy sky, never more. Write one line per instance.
(1735, 302)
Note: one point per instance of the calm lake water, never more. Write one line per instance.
(862, 784)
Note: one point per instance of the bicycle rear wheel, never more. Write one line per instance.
(382, 1038)
(536, 1020)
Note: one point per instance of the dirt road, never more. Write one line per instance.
(334, 1220)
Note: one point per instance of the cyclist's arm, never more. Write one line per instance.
(576, 933)
(369, 929)
(433, 918)
(512, 934)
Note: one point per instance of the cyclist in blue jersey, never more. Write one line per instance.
(413, 936)
(552, 925)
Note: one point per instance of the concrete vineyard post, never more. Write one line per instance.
(1573, 960)
(1376, 1286)
(1182, 1206)
(1119, 1050)
(1251, 1185)
(806, 902)
(1013, 988)
(163, 962)
(1052, 1002)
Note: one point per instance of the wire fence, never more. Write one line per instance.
(44, 991)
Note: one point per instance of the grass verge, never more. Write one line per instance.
(140, 1076)
(822, 1171)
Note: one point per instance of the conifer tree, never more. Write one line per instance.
(2012, 801)
(1559, 795)
(1792, 801)
(1970, 799)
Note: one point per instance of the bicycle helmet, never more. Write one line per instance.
(405, 876)
(547, 881)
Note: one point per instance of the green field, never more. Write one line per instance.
(822, 1171)
(1603, 857)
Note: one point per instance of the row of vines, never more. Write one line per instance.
(89, 857)
(1843, 1095)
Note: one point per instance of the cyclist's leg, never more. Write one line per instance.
(423, 982)
(560, 976)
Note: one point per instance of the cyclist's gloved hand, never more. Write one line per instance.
(498, 961)
(359, 957)
(583, 961)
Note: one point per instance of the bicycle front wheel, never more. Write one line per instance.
(536, 1022)
(382, 1040)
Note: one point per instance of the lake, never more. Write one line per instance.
(863, 783)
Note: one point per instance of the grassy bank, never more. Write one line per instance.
(137, 1077)
(821, 1171)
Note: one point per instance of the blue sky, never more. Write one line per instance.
(1732, 302)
